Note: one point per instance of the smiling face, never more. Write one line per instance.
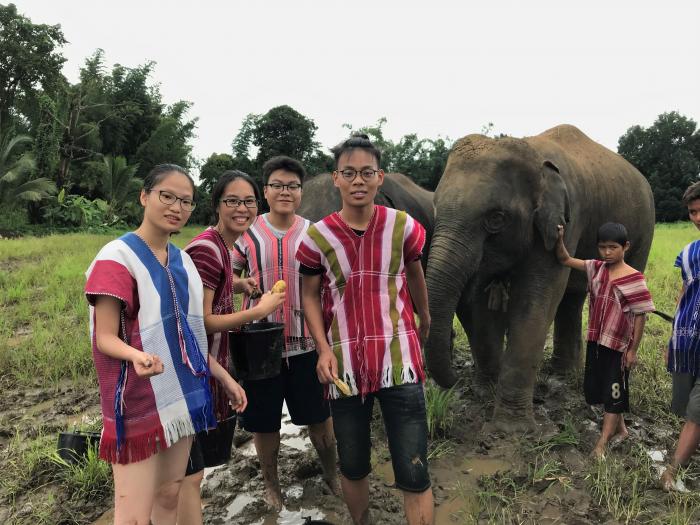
(358, 192)
(237, 218)
(283, 200)
(168, 217)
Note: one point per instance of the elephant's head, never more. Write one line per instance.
(496, 199)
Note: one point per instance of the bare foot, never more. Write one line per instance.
(619, 438)
(273, 498)
(598, 452)
(668, 479)
(334, 486)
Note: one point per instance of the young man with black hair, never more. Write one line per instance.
(266, 251)
(362, 273)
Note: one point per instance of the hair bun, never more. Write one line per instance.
(360, 135)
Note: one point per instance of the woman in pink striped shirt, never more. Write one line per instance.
(235, 198)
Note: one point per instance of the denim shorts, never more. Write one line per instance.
(403, 411)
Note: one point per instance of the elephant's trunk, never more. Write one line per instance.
(451, 264)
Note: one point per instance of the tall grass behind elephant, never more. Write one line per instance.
(321, 198)
(492, 258)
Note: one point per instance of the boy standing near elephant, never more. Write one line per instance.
(618, 302)
(266, 252)
(683, 351)
(362, 272)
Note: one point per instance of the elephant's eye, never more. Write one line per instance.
(495, 221)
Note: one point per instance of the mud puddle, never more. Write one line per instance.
(455, 484)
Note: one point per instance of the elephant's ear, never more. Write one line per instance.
(553, 208)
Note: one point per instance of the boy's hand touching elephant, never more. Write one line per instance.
(424, 328)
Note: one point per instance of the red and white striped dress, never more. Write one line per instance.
(367, 307)
(269, 259)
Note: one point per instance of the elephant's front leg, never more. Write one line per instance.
(534, 298)
(567, 333)
(487, 329)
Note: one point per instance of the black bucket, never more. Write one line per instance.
(216, 443)
(73, 446)
(256, 350)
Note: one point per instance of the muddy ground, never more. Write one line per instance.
(477, 477)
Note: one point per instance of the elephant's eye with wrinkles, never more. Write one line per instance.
(495, 221)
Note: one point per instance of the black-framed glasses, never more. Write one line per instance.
(168, 198)
(278, 186)
(367, 174)
(235, 203)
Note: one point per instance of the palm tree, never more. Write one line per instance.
(16, 184)
(119, 185)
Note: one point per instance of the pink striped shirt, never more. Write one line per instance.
(613, 303)
(367, 307)
(269, 259)
(213, 261)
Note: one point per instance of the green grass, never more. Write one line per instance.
(620, 485)
(43, 340)
(439, 408)
(43, 312)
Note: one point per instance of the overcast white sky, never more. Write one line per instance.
(432, 67)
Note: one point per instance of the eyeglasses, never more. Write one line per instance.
(168, 198)
(276, 186)
(349, 174)
(235, 203)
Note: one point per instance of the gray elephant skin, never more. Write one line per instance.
(492, 259)
(321, 198)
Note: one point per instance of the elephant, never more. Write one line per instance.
(492, 259)
(321, 198)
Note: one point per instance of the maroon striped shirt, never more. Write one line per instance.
(613, 304)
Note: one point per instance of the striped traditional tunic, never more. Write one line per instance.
(213, 261)
(684, 346)
(269, 258)
(367, 307)
(613, 305)
(162, 315)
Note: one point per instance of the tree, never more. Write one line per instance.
(280, 131)
(16, 182)
(47, 137)
(120, 188)
(668, 155)
(284, 131)
(170, 142)
(423, 160)
(30, 59)
(212, 169)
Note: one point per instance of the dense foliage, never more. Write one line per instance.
(75, 154)
(668, 154)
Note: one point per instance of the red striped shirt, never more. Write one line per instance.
(367, 307)
(613, 304)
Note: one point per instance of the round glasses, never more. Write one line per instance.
(168, 198)
(349, 174)
(235, 203)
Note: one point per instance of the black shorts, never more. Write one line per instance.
(604, 381)
(298, 385)
(212, 448)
